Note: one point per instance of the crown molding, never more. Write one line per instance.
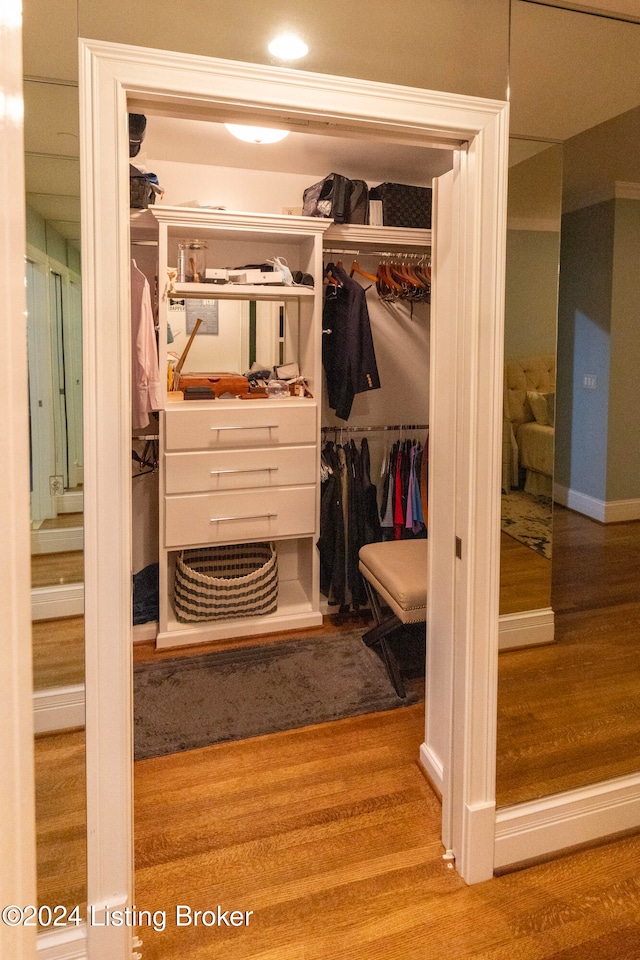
(601, 192)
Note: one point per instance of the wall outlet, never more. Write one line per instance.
(56, 486)
(590, 381)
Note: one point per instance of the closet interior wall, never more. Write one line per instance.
(400, 329)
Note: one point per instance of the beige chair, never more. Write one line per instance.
(395, 572)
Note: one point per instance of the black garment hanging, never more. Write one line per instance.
(331, 544)
(348, 354)
(348, 520)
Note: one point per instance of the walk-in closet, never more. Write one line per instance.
(240, 204)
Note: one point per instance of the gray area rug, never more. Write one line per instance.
(528, 518)
(188, 702)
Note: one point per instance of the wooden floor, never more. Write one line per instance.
(50, 569)
(330, 835)
(61, 831)
(569, 713)
(58, 652)
(525, 577)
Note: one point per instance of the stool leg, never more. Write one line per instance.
(377, 636)
(374, 603)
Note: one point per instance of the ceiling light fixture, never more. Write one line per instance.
(288, 47)
(256, 134)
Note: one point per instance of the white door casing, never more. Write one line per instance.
(477, 130)
(17, 805)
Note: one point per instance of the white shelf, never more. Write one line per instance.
(236, 225)
(237, 291)
(385, 236)
(294, 611)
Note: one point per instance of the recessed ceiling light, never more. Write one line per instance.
(288, 47)
(256, 134)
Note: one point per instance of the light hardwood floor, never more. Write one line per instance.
(51, 569)
(61, 832)
(569, 713)
(58, 652)
(331, 836)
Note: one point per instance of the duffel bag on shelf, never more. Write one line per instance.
(337, 198)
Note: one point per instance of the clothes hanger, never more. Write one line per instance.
(356, 268)
(329, 275)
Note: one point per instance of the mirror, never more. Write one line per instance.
(531, 309)
(236, 335)
(566, 712)
(53, 282)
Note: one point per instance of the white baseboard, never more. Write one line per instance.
(58, 708)
(605, 511)
(530, 628)
(432, 767)
(60, 600)
(144, 631)
(71, 501)
(529, 831)
(68, 944)
(58, 540)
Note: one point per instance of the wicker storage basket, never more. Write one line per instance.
(224, 583)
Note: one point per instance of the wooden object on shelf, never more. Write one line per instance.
(183, 356)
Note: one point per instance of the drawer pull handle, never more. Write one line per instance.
(250, 426)
(216, 473)
(255, 516)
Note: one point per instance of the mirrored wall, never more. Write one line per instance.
(568, 712)
(531, 311)
(54, 342)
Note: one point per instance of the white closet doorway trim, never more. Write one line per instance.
(464, 638)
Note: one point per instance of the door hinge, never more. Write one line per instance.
(458, 548)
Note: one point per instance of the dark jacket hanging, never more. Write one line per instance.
(348, 353)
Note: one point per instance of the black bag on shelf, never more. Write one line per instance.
(137, 127)
(404, 205)
(358, 209)
(143, 188)
(337, 198)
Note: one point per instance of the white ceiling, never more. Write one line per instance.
(560, 87)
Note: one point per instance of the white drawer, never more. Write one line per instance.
(249, 423)
(238, 469)
(236, 517)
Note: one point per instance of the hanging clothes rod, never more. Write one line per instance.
(334, 251)
(377, 429)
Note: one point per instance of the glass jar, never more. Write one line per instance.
(192, 261)
(277, 389)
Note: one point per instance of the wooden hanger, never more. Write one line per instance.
(356, 268)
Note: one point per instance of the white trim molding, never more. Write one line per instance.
(605, 511)
(59, 600)
(601, 192)
(71, 501)
(529, 831)
(63, 944)
(115, 78)
(57, 540)
(433, 768)
(58, 708)
(529, 628)
(17, 796)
